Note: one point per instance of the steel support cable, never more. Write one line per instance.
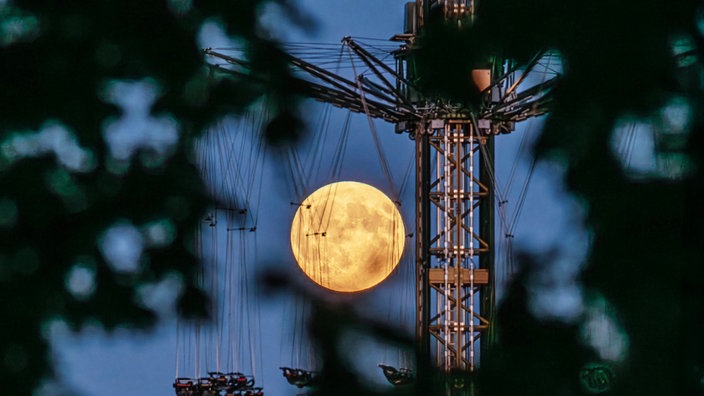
(230, 265)
(237, 182)
(178, 347)
(218, 306)
(400, 316)
(252, 179)
(236, 302)
(187, 348)
(299, 314)
(214, 289)
(215, 158)
(516, 160)
(340, 150)
(377, 46)
(394, 242)
(197, 343)
(294, 336)
(244, 330)
(500, 199)
(249, 306)
(524, 189)
(406, 176)
(239, 326)
(252, 317)
(522, 148)
(223, 156)
(342, 142)
(202, 158)
(313, 161)
(338, 158)
(196, 346)
(244, 326)
(197, 349)
(296, 173)
(522, 197)
(255, 216)
(300, 172)
(219, 158)
(313, 54)
(322, 56)
(329, 205)
(208, 166)
(516, 216)
(370, 39)
(255, 157)
(257, 312)
(206, 284)
(219, 297)
(632, 143)
(407, 318)
(290, 173)
(297, 351)
(257, 175)
(375, 137)
(628, 144)
(500, 196)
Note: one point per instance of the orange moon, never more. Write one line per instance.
(347, 236)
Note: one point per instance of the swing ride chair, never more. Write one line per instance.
(218, 384)
(299, 377)
(185, 387)
(401, 376)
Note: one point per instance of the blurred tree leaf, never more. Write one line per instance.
(646, 257)
(57, 62)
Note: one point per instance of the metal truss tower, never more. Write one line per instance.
(454, 228)
(455, 202)
(454, 172)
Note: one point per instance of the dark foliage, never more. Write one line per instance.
(57, 60)
(646, 256)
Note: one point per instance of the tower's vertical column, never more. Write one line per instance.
(422, 231)
(454, 222)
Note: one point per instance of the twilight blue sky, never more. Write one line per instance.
(124, 362)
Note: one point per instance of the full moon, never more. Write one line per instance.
(347, 236)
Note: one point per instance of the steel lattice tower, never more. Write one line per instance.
(454, 218)
(454, 151)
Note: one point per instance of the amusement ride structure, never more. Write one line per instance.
(455, 196)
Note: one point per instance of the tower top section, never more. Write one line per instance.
(418, 12)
